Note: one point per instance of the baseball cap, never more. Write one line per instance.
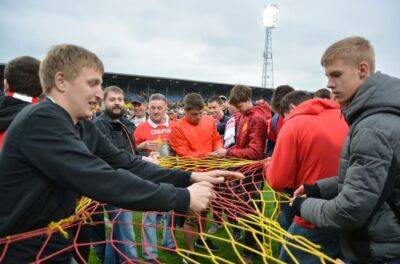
(138, 99)
(223, 98)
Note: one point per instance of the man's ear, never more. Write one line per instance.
(6, 86)
(59, 81)
(364, 70)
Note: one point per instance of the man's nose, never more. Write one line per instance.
(99, 93)
(331, 83)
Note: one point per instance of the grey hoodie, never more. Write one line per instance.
(349, 199)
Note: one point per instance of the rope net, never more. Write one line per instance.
(247, 207)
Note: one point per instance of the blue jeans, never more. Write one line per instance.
(167, 238)
(149, 234)
(122, 232)
(286, 215)
(328, 240)
(98, 233)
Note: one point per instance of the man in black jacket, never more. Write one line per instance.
(53, 155)
(119, 130)
(112, 121)
(21, 87)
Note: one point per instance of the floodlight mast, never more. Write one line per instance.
(270, 21)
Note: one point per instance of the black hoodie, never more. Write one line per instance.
(48, 162)
(9, 108)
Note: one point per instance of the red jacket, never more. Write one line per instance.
(252, 131)
(309, 145)
(188, 140)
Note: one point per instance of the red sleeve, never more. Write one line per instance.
(180, 144)
(255, 150)
(283, 168)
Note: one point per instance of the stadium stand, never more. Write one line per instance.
(174, 89)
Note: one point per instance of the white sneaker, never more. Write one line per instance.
(214, 229)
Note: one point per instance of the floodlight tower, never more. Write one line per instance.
(270, 21)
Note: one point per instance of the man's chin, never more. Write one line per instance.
(114, 115)
(88, 115)
(156, 118)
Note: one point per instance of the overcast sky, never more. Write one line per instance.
(216, 41)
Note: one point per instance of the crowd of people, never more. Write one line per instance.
(335, 152)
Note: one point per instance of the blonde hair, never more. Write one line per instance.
(352, 50)
(68, 59)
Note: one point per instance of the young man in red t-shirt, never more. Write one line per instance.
(195, 135)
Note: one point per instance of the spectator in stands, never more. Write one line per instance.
(196, 136)
(139, 105)
(299, 159)
(154, 135)
(362, 203)
(21, 86)
(323, 93)
(119, 130)
(57, 155)
(252, 131)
